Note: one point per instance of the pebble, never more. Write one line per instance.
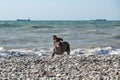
(62, 67)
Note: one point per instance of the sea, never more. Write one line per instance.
(84, 36)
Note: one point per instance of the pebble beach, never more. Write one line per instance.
(61, 67)
(26, 49)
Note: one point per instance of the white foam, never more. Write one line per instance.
(98, 50)
(22, 52)
(46, 52)
(2, 49)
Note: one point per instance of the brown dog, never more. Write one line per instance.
(57, 41)
(60, 47)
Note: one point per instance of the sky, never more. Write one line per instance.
(60, 9)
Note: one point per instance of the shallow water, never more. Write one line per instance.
(80, 34)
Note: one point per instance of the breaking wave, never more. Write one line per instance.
(48, 52)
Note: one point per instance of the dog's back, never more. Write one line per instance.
(65, 47)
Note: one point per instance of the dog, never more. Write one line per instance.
(63, 47)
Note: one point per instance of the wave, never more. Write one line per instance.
(24, 52)
(96, 51)
(48, 52)
(36, 27)
(4, 24)
(116, 37)
(8, 25)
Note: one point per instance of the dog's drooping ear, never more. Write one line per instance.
(54, 37)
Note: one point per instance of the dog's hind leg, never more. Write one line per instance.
(68, 50)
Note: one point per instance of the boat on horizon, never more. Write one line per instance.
(24, 19)
(98, 20)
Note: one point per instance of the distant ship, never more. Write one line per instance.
(24, 19)
(98, 20)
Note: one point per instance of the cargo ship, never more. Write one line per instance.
(24, 19)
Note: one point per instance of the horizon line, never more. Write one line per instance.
(61, 19)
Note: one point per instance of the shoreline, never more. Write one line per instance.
(48, 51)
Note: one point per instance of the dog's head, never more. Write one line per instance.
(54, 37)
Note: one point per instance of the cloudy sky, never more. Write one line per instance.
(60, 9)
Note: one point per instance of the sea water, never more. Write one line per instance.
(38, 35)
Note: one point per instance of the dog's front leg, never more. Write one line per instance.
(54, 52)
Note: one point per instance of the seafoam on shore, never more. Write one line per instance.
(82, 64)
(47, 52)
